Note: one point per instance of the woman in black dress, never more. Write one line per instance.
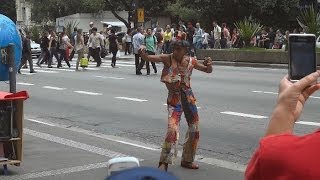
(113, 47)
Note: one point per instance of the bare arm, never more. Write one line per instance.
(290, 103)
(205, 67)
(164, 58)
(50, 43)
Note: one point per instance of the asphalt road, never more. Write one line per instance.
(234, 106)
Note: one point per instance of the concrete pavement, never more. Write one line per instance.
(54, 151)
(117, 106)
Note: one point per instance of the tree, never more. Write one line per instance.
(152, 8)
(309, 20)
(8, 8)
(276, 13)
(45, 10)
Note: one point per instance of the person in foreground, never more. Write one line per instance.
(176, 75)
(283, 155)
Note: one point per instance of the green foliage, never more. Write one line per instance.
(35, 31)
(247, 29)
(309, 20)
(70, 27)
(184, 12)
(45, 10)
(8, 9)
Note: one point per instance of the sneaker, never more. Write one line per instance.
(50, 67)
(155, 71)
(138, 73)
(33, 71)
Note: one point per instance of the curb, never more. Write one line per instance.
(224, 63)
(246, 64)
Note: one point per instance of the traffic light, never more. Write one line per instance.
(131, 16)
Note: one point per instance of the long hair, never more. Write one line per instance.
(79, 34)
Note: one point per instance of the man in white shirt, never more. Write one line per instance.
(216, 33)
(137, 41)
(95, 41)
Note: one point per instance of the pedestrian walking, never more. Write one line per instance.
(95, 42)
(64, 43)
(79, 46)
(216, 34)
(137, 41)
(53, 43)
(176, 75)
(44, 45)
(72, 40)
(26, 53)
(150, 41)
(167, 37)
(128, 41)
(113, 46)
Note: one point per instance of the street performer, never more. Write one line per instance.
(176, 75)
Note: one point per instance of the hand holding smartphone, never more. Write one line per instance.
(302, 55)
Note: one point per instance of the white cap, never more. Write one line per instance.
(91, 22)
(109, 26)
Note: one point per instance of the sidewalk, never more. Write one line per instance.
(52, 152)
(219, 63)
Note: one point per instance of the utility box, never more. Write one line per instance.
(11, 127)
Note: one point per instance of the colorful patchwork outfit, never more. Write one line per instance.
(180, 100)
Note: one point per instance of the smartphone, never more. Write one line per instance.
(302, 55)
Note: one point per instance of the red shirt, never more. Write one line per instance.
(286, 156)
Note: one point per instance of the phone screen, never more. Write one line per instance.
(302, 56)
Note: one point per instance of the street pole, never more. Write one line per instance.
(12, 68)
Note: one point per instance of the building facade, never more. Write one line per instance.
(23, 9)
(100, 21)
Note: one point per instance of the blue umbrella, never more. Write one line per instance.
(9, 34)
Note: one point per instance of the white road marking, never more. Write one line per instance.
(74, 144)
(106, 77)
(93, 69)
(132, 99)
(54, 88)
(125, 65)
(55, 173)
(25, 84)
(40, 122)
(267, 92)
(88, 93)
(57, 69)
(44, 71)
(244, 115)
(308, 123)
(119, 62)
(210, 161)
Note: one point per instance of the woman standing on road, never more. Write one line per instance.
(79, 47)
(113, 45)
(176, 76)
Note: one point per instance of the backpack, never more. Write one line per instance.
(154, 40)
